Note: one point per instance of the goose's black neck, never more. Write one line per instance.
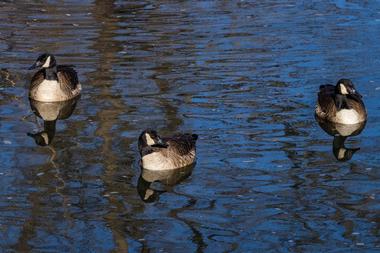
(51, 73)
(341, 102)
(146, 150)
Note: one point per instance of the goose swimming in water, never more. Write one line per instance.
(166, 153)
(53, 83)
(340, 103)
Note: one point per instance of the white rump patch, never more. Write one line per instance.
(149, 140)
(47, 63)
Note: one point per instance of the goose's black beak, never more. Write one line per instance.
(358, 94)
(35, 65)
(354, 92)
(31, 135)
(160, 144)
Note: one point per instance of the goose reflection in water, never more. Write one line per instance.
(50, 112)
(341, 132)
(149, 191)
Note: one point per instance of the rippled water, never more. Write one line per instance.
(243, 75)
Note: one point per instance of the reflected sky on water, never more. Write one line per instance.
(243, 75)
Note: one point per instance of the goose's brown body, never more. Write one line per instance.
(176, 152)
(64, 88)
(327, 108)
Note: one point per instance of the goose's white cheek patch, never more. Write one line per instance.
(149, 140)
(343, 89)
(47, 63)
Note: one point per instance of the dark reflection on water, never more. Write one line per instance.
(341, 133)
(50, 112)
(243, 75)
(146, 188)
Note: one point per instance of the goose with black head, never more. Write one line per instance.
(168, 152)
(52, 82)
(341, 103)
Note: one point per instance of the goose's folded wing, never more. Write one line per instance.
(67, 76)
(36, 79)
(182, 143)
(326, 97)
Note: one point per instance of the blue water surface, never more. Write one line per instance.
(243, 75)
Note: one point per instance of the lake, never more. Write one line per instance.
(243, 75)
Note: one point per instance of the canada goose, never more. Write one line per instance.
(341, 132)
(341, 103)
(50, 112)
(53, 82)
(147, 188)
(166, 153)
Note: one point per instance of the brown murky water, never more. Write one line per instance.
(243, 75)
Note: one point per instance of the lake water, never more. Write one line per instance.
(243, 75)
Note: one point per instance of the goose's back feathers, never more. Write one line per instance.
(66, 87)
(326, 104)
(182, 144)
(179, 151)
(67, 76)
(37, 78)
(326, 108)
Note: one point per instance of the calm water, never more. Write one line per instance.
(242, 75)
